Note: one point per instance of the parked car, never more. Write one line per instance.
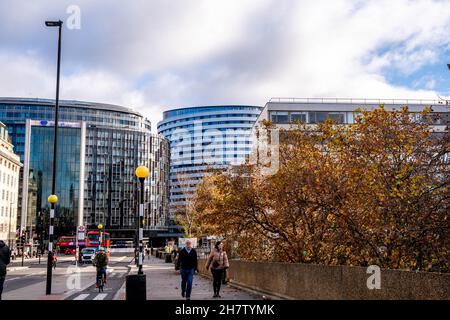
(87, 255)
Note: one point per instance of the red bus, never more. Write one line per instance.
(67, 244)
(93, 240)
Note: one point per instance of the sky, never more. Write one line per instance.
(154, 55)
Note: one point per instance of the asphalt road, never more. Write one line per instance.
(28, 282)
(116, 273)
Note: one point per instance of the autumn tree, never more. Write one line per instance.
(375, 192)
(184, 213)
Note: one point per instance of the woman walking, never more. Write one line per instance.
(218, 261)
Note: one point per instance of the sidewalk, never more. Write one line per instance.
(164, 283)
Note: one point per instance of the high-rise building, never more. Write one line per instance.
(99, 148)
(201, 138)
(9, 187)
(284, 113)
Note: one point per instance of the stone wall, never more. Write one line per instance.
(308, 281)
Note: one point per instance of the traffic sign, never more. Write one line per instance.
(81, 232)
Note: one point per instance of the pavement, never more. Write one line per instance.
(164, 283)
(70, 282)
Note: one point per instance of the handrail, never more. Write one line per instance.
(359, 101)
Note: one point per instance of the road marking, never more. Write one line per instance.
(13, 279)
(81, 296)
(25, 276)
(101, 296)
(33, 274)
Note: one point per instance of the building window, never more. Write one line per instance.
(322, 116)
(298, 117)
(280, 117)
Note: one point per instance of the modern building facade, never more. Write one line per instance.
(202, 138)
(284, 113)
(9, 187)
(99, 148)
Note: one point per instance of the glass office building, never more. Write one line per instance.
(201, 138)
(67, 176)
(99, 148)
(286, 113)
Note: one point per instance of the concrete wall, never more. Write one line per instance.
(307, 281)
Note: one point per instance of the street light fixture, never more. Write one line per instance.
(53, 199)
(141, 173)
(53, 23)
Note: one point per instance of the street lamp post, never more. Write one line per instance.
(53, 199)
(136, 283)
(141, 173)
(9, 225)
(22, 241)
(100, 235)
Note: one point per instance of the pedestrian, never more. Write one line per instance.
(54, 260)
(136, 256)
(5, 259)
(187, 264)
(218, 261)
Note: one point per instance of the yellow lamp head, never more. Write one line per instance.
(142, 172)
(100, 226)
(52, 199)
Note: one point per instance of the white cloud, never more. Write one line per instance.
(154, 55)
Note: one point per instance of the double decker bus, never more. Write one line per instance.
(93, 240)
(67, 245)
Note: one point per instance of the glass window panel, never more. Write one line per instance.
(298, 116)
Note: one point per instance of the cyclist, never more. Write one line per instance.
(101, 263)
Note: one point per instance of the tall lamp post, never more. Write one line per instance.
(100, 236)
(141, 173)
(9, 225)
(136, 283)
(53, 199)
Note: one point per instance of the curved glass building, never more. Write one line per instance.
(99, 147)
(204, 137)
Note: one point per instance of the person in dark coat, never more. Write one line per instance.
(187, 264)
(5, 258)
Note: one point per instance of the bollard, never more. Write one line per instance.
(136, 287)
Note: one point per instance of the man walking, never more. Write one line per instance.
(187, 264)
(5, 256)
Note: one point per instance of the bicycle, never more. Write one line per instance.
(101, 280)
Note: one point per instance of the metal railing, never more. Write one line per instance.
(359, 101)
